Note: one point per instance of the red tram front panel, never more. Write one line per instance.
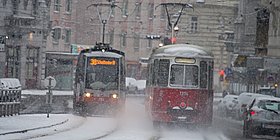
(192, 106)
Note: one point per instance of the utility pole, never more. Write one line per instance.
(173, 15)
(103, 19)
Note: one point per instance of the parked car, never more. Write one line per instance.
(267, 90)
(134, 86)
(226, 107)
(130, 85)
(242, 101)
(262, 117)
(9, 83)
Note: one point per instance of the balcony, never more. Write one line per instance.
(14, 23)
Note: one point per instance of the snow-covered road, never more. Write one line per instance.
(136, 126)
(133, 125)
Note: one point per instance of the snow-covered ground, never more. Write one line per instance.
(57, 126)
(133, 125)
(44, 92)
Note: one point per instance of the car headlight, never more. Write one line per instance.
(87, 94)
(115, 96)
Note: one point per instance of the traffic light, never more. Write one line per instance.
(221, 74)
(173, 40)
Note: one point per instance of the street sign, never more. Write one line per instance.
(50, 82)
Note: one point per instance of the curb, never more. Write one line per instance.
(36, 128)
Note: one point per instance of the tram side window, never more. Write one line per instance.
(160, 72)
(210, 79)
(203, 74)
(163, 72)
(80, 69)
(155, 72)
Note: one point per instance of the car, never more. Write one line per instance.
(267, 90)
(242, 101)
(134, 86)
(9, 83)
(262, 117)
(226, 107)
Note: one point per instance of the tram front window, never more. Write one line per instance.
(184, 75)
(102, 75)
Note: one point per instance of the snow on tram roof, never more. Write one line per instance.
(103, 54)
(183, 50)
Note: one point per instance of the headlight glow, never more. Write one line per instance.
(115, 96)
(87, 95)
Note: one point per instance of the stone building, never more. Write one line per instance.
(59, 61)
(134, 26)
(24, 27)
(274, 27)
(138, 26)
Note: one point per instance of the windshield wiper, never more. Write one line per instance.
(271, 110)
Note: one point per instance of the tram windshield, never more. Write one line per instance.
(102, 73)
(184, 76)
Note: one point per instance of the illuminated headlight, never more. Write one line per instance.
(115, 96)
(87, 95)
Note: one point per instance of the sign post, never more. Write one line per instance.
(49, 83)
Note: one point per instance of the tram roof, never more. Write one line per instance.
(182, 50)
(103, 54)
(103, 50)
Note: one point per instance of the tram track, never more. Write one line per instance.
(56, 131)
(74, 128)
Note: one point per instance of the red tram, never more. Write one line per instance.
(99, 86)
(179, 85)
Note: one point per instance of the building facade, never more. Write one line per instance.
(24, 27)
(137, 27)
(274, 27)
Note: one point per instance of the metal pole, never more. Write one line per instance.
(49, 98)
(103, 35)
(172, 32)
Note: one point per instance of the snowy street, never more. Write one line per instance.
(133, 125)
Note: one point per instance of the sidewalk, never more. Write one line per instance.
(57, 126)
(20, 126)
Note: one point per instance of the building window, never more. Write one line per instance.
(32, 63)
(56, 33)
(32, 60)
(35, 6)
(123, 39)
(48, 3)
(56, 5)
(151, 10)
(138, 10)
(136, 42)
(193, 24)
(25, 4)
(68, 5)
(67, 33)
(125, 8)
(4, 2)
(15, 4)
(13, 61)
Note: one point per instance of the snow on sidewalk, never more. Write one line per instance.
(38, 125)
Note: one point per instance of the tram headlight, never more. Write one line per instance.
(87, 94)
(115, 96)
